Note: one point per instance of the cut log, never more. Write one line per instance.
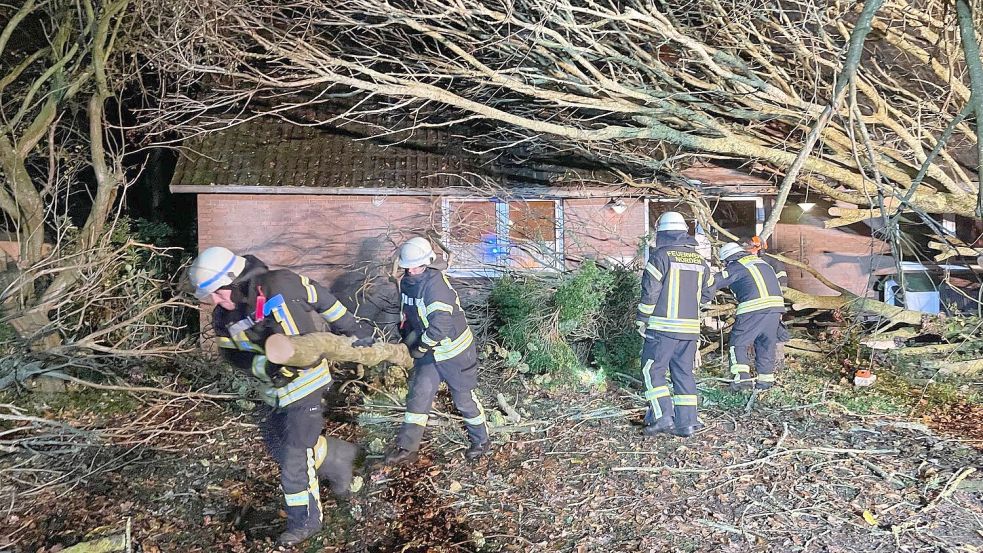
(952, 251)
(112, 544)
(309, 349)
(894, 315)
(804, 345)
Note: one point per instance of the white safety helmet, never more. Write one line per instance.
(729, 249)
(671, 220)
(416, 252)
(214, 268)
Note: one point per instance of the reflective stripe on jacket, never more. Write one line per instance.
(432, 309)
(291, 302)
(779, 269)
(672, 283)
(753, 282)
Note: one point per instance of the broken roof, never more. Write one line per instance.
(273, 156)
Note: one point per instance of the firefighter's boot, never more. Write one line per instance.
(301, 526)
(400, 456)
(338, 467)
(477, 449)
(686, 431)
(665, 425)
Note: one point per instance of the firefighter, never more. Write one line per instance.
(435, 330)
(251, 303)
(759, 315)
(668, 319)
(757, 246)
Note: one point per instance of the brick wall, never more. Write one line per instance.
(318, 235)
(595, 231)
(326, 236)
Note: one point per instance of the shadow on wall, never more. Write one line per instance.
(357, 271)
(855, 271)
(370, 290)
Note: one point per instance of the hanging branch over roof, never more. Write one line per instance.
(649, 88)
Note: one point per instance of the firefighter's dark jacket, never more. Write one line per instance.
(672, 283)
(753, 282)
(779, 269)
(431, 312)
(289, 301)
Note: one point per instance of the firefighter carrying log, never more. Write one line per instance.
(758, 317)
(434, 328)
(253, 303)
(668, 319)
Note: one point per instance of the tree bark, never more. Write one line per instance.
(853, 55)
(309, 349)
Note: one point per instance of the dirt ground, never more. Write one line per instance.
(783, 472)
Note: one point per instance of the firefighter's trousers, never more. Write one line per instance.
(426, 379)
(782, 335)
(292, 436)
(663, 354)
(760, 330)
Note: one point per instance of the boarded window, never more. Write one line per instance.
(535, 220)
(489, 236)
(472, 222)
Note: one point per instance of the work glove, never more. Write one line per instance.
(282, 376)
(416, 352)
(640, 327)
(364, 342)
(267, 394)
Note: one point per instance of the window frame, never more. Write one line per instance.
(502, 235)
(759, 214)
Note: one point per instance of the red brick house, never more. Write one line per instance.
(335, 203)
(327, 201)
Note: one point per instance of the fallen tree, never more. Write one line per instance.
(648, 86)
(78, 281)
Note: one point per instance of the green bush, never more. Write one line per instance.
(560, 325)
(579, 298)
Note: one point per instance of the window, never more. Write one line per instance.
(969, 230)
(741, 216)
(489, 236)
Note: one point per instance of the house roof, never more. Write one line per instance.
(268, 153)
(271, 156)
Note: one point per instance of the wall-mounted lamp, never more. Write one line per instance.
(617, 205)
(805, 205)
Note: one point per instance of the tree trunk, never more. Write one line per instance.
(309, 349)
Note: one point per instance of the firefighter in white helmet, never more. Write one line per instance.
(758, 318)
(436, 331)
(757, 246)
(669, 320)
(251, 304)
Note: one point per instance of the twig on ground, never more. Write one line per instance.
(826, 450)
(750, 402)
(141, 389)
